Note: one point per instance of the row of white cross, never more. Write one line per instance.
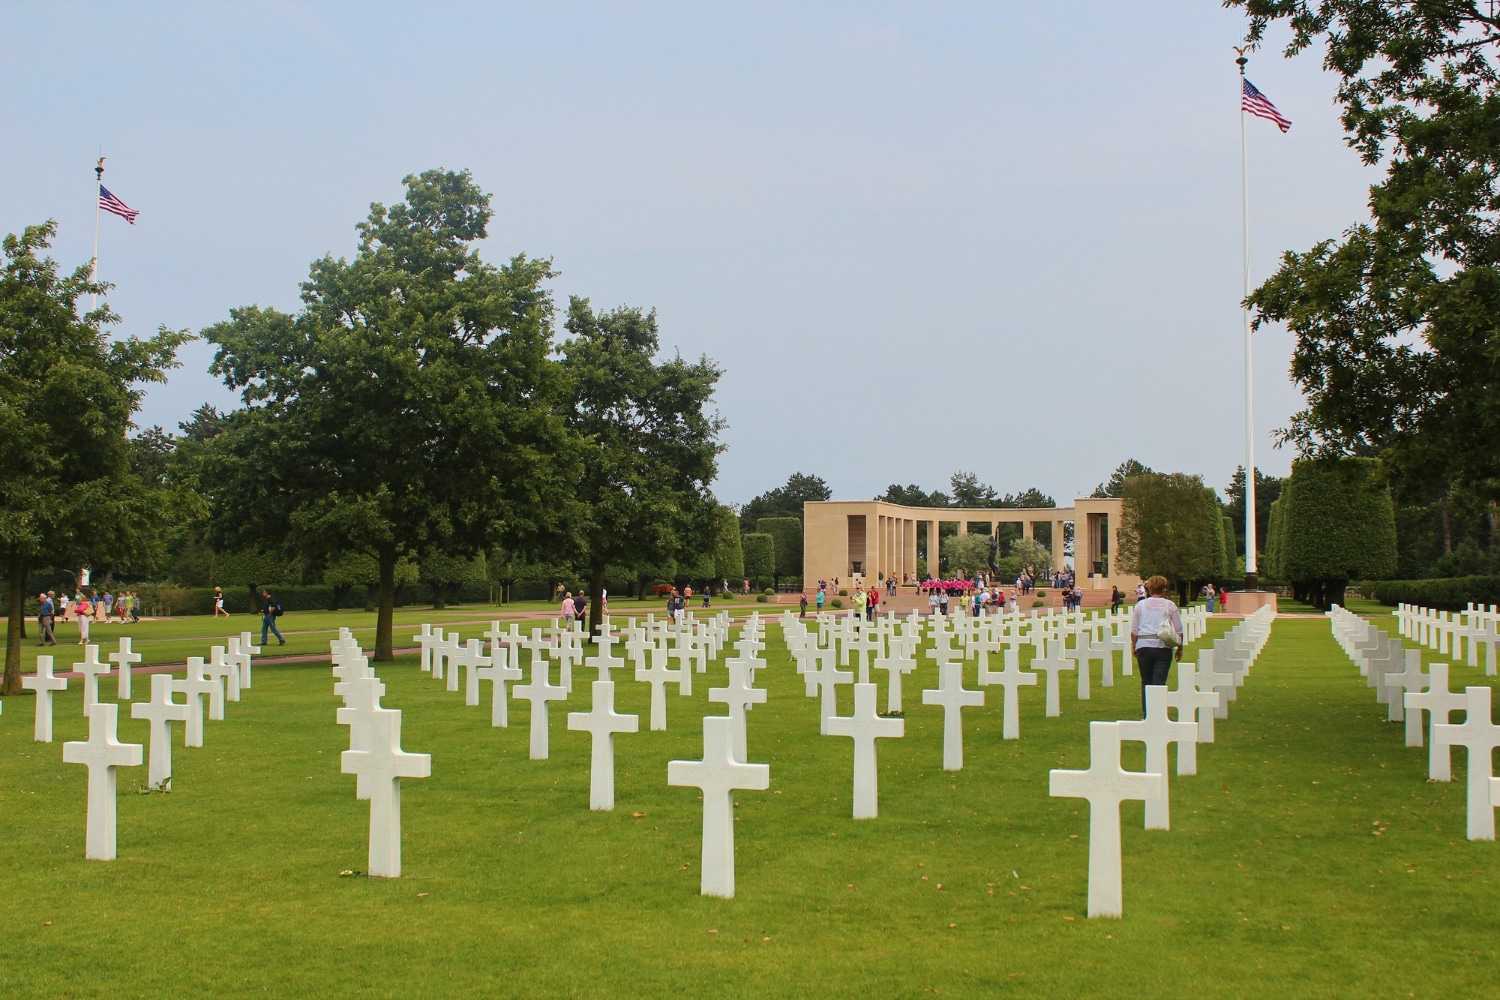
(1407, 690)
(1444, 631)
(1106, 784)
(227, 672)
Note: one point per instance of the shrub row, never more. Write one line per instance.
(1452, 594)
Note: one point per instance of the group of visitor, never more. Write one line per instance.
(84, 608)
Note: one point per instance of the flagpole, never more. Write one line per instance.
(98, 184)
(1251, 579)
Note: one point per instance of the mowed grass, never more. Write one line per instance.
(1309, 857)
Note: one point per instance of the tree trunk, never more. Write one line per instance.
(387, 613)
(15, 610)
(1447, 529)
(596, 594)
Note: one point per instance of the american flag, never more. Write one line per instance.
(110, 203)
(1255, 102)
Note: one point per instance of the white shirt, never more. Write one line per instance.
(1145, 621)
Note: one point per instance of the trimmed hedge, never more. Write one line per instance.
(1452, 594)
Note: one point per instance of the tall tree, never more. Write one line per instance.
(410, 404)
(1115, 486)
(1267, 489)
(968, 491)
(1398, 320)
(1171, 525)
(914, 496)
(648, 444)
(784, 501)
(1334, 522)
(68, 495)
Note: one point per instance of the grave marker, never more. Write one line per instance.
(718, 774)
(1105, 784)
(385, 764)
(602, 721)
(102, 754)
(1479, 735)
(161, 711)
(865, 726)
(45, 684)
(124, 660)
(1158, 732)
(951, 694)
(539, 692)
(1011, 680)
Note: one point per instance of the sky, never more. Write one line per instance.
(917, 238)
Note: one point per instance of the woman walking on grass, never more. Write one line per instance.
(1155, 631)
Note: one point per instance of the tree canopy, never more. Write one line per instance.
(71, 486)
(647, 442)
(1334, 522)
(409, 404)
(1115, 485)
(1172, 526)
(1397, 320)
(785, 500)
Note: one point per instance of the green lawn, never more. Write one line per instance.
(1309, 857)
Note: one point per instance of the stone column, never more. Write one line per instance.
(1057, 545)
(932, 549)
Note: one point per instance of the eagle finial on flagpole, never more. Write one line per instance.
(1241, 60)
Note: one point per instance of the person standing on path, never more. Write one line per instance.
(821, 597)
(1147, 619)
(46, 611)
(270, 610)
(83, 611)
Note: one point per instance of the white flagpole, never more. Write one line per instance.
(1251, 581)
(98, 183)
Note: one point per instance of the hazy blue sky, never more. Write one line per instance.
(1001, 237)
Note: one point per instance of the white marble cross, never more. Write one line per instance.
(436, 652)
(384, 763)
(954, 697)
(219, 668)
(1011, 680)
(102, 753)
(828, 677)
(1439, 703)
(1158, 732)
(867, 640)
(424, 640)
(569, 650)
(362, 696)
(865, 726)
(45, 684)
(124, 660)
(539, 691)
(247, 645)
(682, 652)
(195, 686)
(602, 721)
(92, 668)
(161, 711)
(896, 666)
(498, 671)
(1194, 706)
(605, 659)
(240, 657)
(658, 676)
(1479, 735)
(454, 651)
(739, 695)
(475, 660)
(1050, 664)
(718, 774)
(1106, 784)
(1398, 684)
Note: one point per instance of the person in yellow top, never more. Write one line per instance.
(861, 599)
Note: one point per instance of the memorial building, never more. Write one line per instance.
(865, 540)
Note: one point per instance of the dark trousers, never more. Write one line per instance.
(268, 624)
(1155, 663)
